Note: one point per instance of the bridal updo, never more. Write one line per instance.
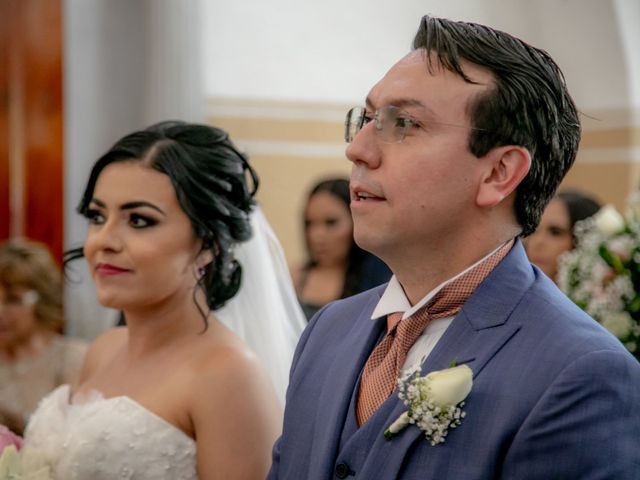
(215, 186)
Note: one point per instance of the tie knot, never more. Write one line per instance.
(449, 300)
(393, 319)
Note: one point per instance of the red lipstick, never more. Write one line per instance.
(108, 269)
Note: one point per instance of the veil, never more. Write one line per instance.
(265, 312)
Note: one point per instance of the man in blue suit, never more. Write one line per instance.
(458, 150)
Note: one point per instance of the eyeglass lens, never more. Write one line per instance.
(389, 121)
(353, 123)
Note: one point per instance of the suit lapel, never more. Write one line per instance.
(342, 378)
(481, 327)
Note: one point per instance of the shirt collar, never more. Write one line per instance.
(395, 300)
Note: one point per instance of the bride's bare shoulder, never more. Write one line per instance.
(222, 351)
(233, 409)
(225, 360)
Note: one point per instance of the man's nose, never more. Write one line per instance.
(364, 149)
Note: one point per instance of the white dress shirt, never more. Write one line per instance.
(394, 300)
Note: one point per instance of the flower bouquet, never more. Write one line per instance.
(602, 274)
(17, 463)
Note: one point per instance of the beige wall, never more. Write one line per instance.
(609, 156)
(293, 144)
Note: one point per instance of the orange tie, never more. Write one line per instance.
(387, 358)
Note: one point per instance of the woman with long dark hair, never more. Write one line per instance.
(336, 267)
(175, 394)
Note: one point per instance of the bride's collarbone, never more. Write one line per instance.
(166, 395)
(170, 372)
(163, 380)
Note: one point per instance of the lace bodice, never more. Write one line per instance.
(105, 438)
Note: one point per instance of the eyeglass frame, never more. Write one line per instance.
(363, 120)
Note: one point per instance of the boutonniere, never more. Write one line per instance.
(434, 402)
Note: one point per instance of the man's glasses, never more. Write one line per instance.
(391, 123)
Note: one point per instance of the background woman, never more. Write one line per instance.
(175, 394)
(34, 357)
(336, 267)
(554, 234)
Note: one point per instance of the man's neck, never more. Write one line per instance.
(421, 273)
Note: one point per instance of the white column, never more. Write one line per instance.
(173, 83)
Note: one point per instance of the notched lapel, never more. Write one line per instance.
(341, 379)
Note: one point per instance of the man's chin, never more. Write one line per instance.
(368, 242)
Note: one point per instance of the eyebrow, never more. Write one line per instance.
(130, 205)
(405, 103)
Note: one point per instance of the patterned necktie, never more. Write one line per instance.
(387, 358)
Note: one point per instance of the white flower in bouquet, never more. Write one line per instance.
(602, 274)
(9, 461)
(618, 323)
(26, 464)
(608, 220)
(622, 247)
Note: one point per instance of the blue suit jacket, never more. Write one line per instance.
(554, 395)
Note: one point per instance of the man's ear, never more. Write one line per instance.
(506, 168)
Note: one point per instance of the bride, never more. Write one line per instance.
(176, 394)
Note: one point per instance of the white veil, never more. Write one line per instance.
(265, 312)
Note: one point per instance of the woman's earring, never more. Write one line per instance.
(201, 272)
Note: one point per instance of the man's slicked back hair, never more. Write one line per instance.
(528, 106)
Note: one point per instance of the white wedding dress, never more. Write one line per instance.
(98, 438)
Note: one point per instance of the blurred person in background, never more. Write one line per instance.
(336, 267)
(34, 357)
(554, 235)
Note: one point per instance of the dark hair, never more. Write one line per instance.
(339, 188)
(528, 106)
(209, 177)
(579, 205)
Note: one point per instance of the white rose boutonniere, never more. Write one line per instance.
(434, 402)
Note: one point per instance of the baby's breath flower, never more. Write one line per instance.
(434, 402)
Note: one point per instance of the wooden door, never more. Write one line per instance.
(31, 116)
